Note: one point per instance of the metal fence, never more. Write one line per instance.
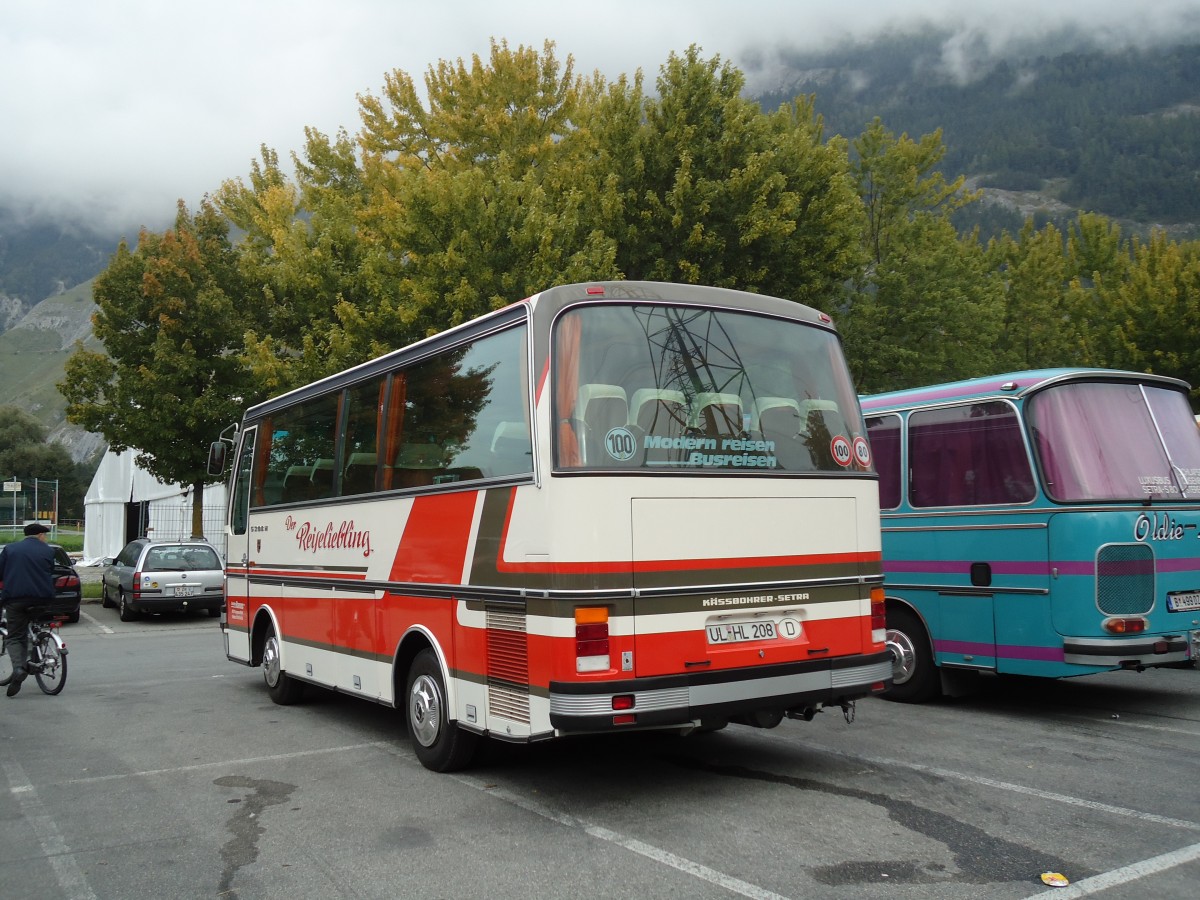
(25, 500)
(171, 521)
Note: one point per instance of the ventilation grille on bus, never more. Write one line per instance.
(507, 665)
(1125, 579)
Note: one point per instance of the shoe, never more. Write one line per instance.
(15, 685)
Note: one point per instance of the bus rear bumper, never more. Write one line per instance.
(1135, 652)
(795, 689)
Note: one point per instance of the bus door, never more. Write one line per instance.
(238, 552)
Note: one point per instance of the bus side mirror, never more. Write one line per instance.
(216, 457)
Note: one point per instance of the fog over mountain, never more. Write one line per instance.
(114, 111)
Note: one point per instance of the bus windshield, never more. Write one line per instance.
(675, 387)
(1115, 441)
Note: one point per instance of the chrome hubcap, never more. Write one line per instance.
(904, 655)
(270, 661)
(425, 710)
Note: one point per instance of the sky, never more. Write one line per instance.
(112, 110)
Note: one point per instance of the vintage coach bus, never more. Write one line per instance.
(609, 506)
(1038, 523)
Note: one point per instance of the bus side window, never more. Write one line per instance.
(884, 434)
(512, 452)
(969, 455)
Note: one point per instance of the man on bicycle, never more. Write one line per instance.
(27, 570)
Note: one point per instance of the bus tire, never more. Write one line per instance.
(439, 743)
(281, 687)
(914, 676)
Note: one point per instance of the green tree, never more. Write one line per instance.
(25, 453)
(701, 186)
(171, 315)
(1040, 329)
(933, 311)
(926, 307)
(1156, 311)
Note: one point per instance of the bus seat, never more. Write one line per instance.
(359, 477)
(777, 415)
(322, 478)
(717, 415)
(778, 420)
(822, 412)
(297, 483)
(511, 449)
(416, 465)
(659, 412)
(601, 407)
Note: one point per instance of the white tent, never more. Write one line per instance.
(125, 501)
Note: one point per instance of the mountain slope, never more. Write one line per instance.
(33, 353)
(1114, 132)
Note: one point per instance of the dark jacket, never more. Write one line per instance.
(27, 570)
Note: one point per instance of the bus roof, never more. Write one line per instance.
(1008, 384)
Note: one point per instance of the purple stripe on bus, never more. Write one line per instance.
(963, 567)
(1031, 567)
(1001, 651)
(911, 399)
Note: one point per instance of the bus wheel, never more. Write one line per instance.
(914, 677)
(439, 743)
(281, 687)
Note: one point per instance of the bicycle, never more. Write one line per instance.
(47, 654)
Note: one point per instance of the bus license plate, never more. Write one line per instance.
(1184, 601)
(186, 590)
(736, 632)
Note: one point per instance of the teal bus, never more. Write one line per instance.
(1040, 523)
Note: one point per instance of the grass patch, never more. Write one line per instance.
(71, 541)
(91, 590)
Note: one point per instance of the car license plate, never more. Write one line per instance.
(1183, 601)
(736, 632)
(186, 590)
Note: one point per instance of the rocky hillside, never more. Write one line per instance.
(33, 353)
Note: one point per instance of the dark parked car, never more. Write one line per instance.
(68, 591)
(164, 576)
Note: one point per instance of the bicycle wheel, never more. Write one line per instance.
(52, 665)
(5, 663)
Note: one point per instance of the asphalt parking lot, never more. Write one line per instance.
(164, 770)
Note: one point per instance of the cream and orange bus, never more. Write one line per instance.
(609, 506)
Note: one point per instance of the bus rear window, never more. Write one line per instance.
(663, 388)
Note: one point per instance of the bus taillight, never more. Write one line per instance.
(591, 639)
(878, 616)
(1132, 625)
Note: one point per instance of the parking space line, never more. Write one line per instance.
(1123, 875)
(225, 763)
(655, 854)
(1065, 799)
(96, 622)
(70, 878)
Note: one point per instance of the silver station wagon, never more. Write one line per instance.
(164, 576)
